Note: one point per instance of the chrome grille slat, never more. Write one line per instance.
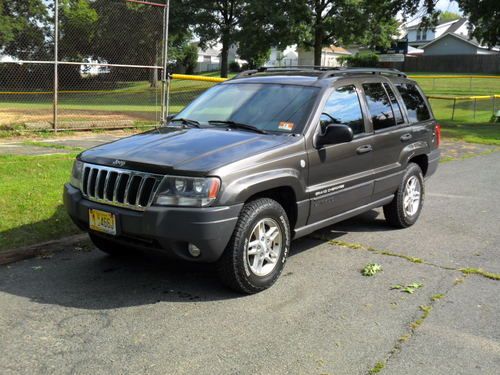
(100, 183)
(139, 192)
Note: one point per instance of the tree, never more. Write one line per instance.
(448, 16)
(24, 29)
(218, 21)
(484, 15)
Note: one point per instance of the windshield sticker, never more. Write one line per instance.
(286, 125)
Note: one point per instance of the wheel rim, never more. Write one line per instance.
(264, 247)
(412, 196)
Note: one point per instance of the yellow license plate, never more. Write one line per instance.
(102, 221)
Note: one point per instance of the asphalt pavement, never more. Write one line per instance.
(82, 312)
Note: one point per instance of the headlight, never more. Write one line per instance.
(76, 174)
(187, 191)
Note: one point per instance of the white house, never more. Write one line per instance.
(418, 36)
(288, 57)
(329, 56)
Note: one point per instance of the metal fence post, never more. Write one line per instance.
(164, 78)
(56, 57)
(453, 111)
(475, 103)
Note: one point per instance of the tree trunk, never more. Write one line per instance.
(224, 58)
(318, 46)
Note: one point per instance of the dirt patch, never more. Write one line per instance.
(462, 150)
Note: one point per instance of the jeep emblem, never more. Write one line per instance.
(118, 163)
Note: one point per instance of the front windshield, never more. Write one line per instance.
(268, 107)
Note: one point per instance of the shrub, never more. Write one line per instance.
(362, 60)
(234, 67)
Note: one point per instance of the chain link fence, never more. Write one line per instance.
(115, 81)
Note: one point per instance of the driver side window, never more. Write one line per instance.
(343, 107)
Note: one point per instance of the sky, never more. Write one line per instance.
(450, 6)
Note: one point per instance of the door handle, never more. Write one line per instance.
(364, 149)
(405, 137)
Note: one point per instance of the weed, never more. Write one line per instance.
(379, 366)
(410, 288)
(479, 271)
(437, 297)
(371, 269)
(425, 313)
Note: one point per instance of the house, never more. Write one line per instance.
(448, 38)
(288, 57)
(455, 44)
(329, 56)
(418, 36)
(209, 59)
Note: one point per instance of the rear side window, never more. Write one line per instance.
(415, 104)
(379, 105)
(395, 105)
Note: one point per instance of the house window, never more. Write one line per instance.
(421, 34)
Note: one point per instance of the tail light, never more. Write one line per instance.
(437, 132)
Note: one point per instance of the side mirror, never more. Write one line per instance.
(334, 134)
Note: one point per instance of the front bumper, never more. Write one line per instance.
(167, 229)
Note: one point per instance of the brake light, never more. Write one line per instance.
(437, 131)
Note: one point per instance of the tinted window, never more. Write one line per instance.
(343, 107)
(379, 106)
(271, 107)
(415, 104)
(395, 105)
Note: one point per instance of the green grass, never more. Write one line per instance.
(488, 133)
(31, 208)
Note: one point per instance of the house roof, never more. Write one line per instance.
(454, 27)
(472, 41)
(337, 50)
(449, 24)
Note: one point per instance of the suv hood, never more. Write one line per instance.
(190, 150)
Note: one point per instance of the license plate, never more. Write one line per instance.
(102, 221)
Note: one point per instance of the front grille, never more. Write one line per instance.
(119, 187)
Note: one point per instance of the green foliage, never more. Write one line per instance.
(24, 29)
(234, 67)
(371, 269)
(366, 59)
(379, 366)
(448, 16)
(410, 288)
(188, 58)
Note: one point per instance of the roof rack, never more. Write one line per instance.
(295, 68)
(346, 71)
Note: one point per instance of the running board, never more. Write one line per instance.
(305, 230)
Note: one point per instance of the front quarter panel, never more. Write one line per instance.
(285, 166)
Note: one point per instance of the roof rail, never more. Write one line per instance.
(328, 71)
(345, 71)
(295, 68)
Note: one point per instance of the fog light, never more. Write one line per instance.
(194, 251)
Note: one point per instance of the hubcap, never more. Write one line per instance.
(412, 195)
(264, 247)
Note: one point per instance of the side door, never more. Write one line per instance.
(340, 177)
(391, 134)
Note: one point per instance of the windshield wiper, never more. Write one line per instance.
(186, 121)
(238, 125)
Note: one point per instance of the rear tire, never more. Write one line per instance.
(405, 208)
(110, 247)
(257, 251)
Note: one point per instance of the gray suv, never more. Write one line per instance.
(266, 157)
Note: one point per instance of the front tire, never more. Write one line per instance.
(405, 208)
(256, 254)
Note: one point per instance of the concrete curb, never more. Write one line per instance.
(15, 255)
